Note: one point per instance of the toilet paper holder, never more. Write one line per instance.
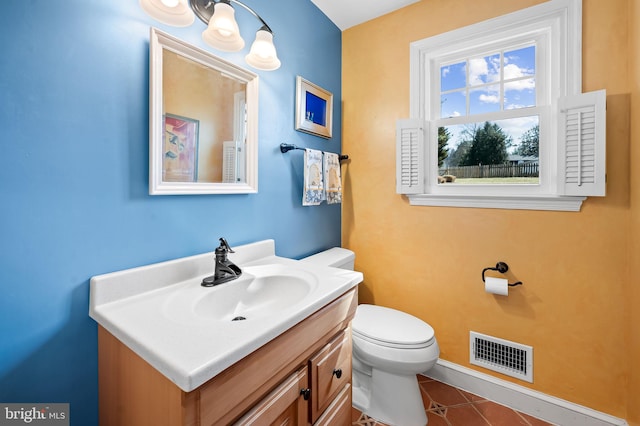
(502, 268)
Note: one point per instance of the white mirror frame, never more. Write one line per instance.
(159, 41)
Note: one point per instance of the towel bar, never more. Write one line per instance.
(286, 147)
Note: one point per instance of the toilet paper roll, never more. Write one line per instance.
(496, 286)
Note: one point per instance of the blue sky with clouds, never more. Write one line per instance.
(479, 79)
(472, 86)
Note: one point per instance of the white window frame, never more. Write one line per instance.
(556, 28)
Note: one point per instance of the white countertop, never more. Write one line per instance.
(139, 307)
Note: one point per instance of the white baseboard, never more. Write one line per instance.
(520, 398)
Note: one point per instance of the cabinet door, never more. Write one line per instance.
(339, 411)
(285, 405)
(330, 371)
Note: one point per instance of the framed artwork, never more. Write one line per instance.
(180, 150)
(314, 108)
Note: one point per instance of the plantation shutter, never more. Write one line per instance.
(410, 156)
(229, 162)
(582, 144)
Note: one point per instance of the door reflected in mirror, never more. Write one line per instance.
(203, 121)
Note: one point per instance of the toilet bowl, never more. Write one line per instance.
(390, 348)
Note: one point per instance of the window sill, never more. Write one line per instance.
(551, 203)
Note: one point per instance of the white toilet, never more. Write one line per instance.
(389, 348)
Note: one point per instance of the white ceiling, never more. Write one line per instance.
(347, 13)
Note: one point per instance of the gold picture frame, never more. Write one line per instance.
(314, 109)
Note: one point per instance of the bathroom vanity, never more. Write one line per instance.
(165, 361)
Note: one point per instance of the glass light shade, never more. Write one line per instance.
(171, 12)
(263, 54)
(222, 32)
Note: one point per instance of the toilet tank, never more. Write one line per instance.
(337, 257)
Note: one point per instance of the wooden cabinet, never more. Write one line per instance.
(288, 404)
(301, 377)
(330, 372)
(323, 388)
(339, 412)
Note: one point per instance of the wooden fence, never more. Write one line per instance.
(493, 170)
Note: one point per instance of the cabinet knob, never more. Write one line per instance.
(305, 393)
(337, 372)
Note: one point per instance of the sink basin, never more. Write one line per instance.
(261, 290)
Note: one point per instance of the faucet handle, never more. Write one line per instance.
(224, 245)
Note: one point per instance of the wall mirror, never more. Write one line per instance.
(203, 131)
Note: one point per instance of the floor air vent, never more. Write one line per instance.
(512, 359)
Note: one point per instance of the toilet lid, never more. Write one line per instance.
(389, 327)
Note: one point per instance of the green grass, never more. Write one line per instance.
(498, 181)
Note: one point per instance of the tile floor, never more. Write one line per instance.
(449, 406)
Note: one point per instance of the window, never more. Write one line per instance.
(499, 89)
(489, 103)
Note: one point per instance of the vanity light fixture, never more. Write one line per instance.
(222, 31)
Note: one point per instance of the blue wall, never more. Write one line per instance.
(74, 175)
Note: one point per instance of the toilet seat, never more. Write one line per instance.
(391, 328)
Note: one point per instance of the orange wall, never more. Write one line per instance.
(633, 416)
(427, 260)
